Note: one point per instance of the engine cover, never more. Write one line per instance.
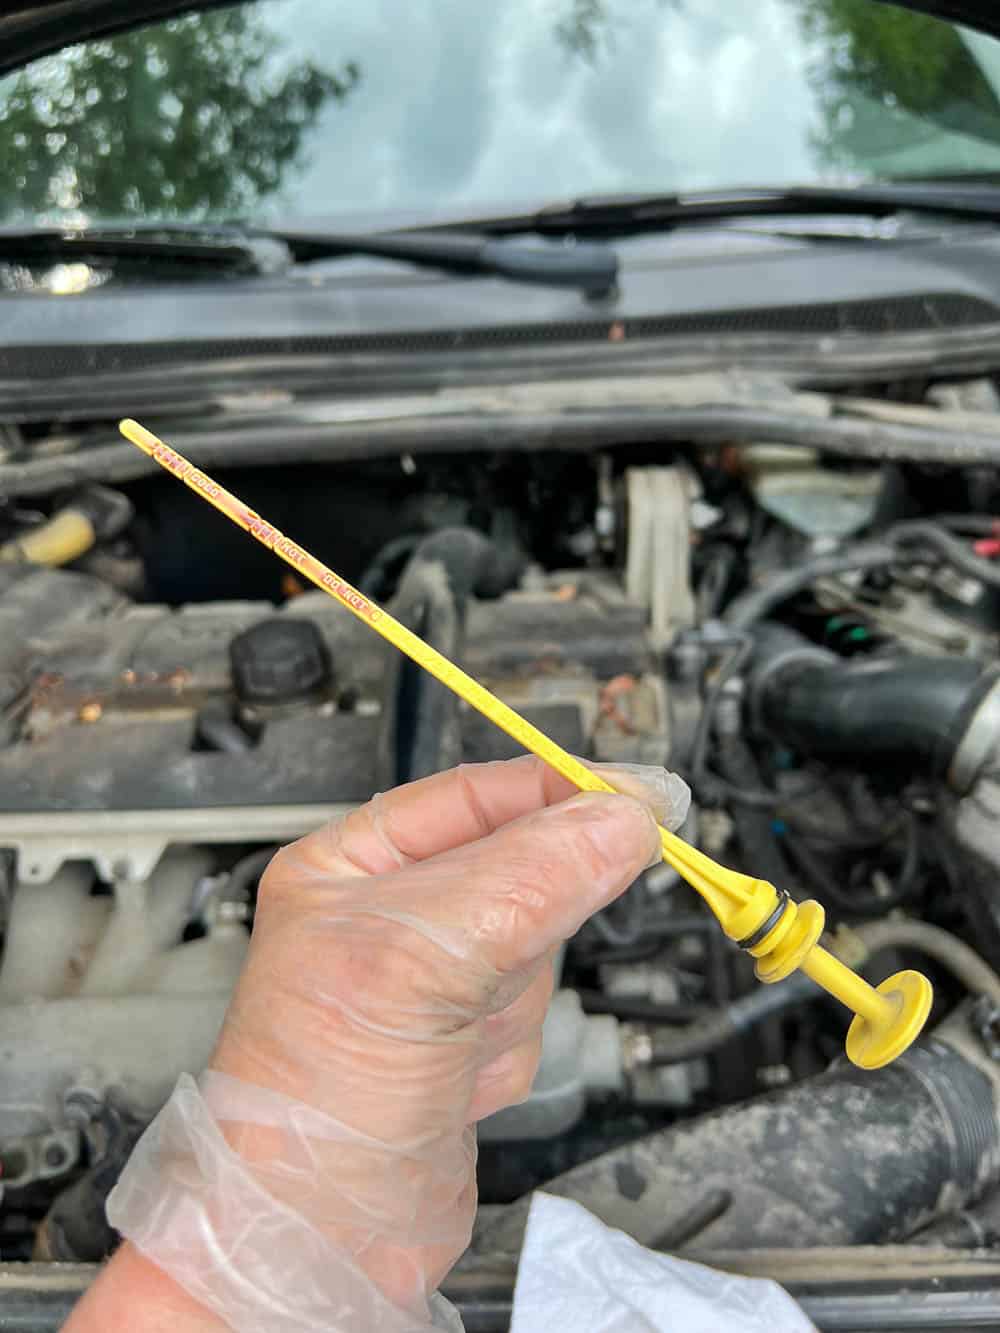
(103, 699)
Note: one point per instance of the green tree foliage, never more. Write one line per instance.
(581, 28)
(190, 118)
(585, 28)
(904, 61)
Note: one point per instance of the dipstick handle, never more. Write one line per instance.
(781, 935)
(888, 1016)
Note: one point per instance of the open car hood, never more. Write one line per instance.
(31, 28)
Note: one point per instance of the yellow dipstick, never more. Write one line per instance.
(780, 934)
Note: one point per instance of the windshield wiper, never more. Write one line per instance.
(628, 213)
(594, 268)
(468, 250)
(198, 247)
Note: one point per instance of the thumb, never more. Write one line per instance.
(513, 896)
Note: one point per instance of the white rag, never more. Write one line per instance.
(577, 1274)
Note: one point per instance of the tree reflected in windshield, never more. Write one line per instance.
(378, 113)
(888, 82)
(585, 26)
(581, 28)
(190, 118)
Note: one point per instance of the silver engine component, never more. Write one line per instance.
(581, 1055)
(98, 991)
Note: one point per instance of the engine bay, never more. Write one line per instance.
(810, 641)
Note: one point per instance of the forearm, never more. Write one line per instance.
(133, 1294)
(249, 1222)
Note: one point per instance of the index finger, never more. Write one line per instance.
(450, 809)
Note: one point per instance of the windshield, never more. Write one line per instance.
(386, 110)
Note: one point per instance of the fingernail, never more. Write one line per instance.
(666, 794)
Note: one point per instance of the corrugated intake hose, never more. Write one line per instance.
(848, 1158)
(932, 714)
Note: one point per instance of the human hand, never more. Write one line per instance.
(398, 978)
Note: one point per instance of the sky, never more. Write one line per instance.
(463, 102)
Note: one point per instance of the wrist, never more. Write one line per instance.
(301, 1221)
(402, 1212)
(402, 1205)
(132, 1293)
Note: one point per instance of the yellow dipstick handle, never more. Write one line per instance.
(780, 934)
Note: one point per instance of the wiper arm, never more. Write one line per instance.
(211, 248)
(594, 268)
(591, 267)
(618, 214)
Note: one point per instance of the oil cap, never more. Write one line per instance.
(279, 660)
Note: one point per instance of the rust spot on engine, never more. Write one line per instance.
(46, 682)
(177, 679)
(617, 688)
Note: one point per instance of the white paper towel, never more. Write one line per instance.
(577, 1275)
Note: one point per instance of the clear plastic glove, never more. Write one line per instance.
(400, 968)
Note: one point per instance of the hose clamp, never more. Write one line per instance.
(765, 928)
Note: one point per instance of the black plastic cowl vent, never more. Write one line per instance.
(923, 313)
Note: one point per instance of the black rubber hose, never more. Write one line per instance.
(816, 868)
(912, 711)
(894, 547)
(424, 713)
(707, 1034)
(754, 826)
(740, 647)
(246, 874)
(760, 602)
(709, 786)
(658, 929)
(956, 552)
(473, 562)
(851, 1157)
(705, 1211)
(372, 582)
(621, 925)
(488, 567)
(636, 1009)
(981, 525)
(218, 730)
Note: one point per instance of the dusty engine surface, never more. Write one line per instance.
(132, 707)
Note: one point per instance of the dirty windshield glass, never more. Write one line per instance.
(403, 108)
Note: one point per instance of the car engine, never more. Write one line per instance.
(811, 642)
